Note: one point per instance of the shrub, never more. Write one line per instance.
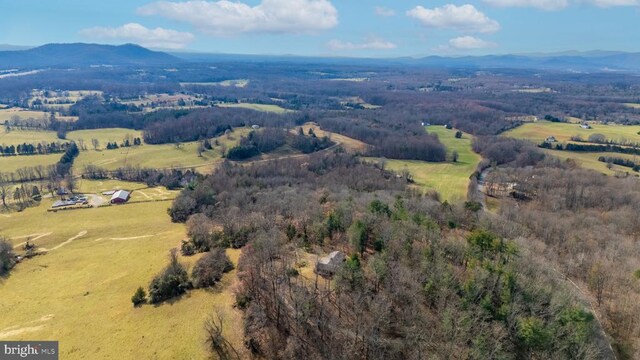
(172, 282)
(187, 248)
(139, 298)
(209, 269)
(7, 257)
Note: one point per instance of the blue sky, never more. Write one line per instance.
(381, 28)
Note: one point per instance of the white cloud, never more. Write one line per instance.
(383, 11)
(469, 43)
(368, 44)
(136, 33)
(539, 4)
(560, 4)
(227, 18)
(464, 18)
(612, 3)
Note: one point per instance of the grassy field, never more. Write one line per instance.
(7, 114)
(540, 130)
(103, 135)
(10, 164)
(589, 160)
(449, 179)
(226, 83)
(155, 156)
(258, 107)
(15, 137)
(79, 292)
(349, 144)
(633, 105)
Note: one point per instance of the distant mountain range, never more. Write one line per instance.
(79, 54)
(592, 61)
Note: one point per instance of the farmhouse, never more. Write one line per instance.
(120, 196)
(550, 139)
(329, 265)
(585, 126)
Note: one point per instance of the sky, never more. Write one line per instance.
(346, 28)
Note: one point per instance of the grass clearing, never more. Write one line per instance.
(447, 178)
(258, 107)
(633, 105)
(9, 164)
(356, 79)
(103, 135)
(23, 114)
(539, 131)
(589, 160)
(226, 83)
(80, 292)
(349, 144)
(15, 137)
(154, 156)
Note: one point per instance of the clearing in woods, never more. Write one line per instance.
(87, 284)
(240, 83)
(349, 144)
(449, 179)
(258, 107)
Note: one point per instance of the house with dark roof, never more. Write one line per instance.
(329, 265)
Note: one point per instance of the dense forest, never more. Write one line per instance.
(421, 278)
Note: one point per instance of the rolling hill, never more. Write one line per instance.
(80, 54)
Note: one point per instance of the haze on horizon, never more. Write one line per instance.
(382, 28)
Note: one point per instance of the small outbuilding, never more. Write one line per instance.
(329, 265)
(551, 139)
(120, 196)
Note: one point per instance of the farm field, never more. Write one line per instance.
(449, 179)
(258, 107)
(7, 114)
(139, 192)
(156, 156)
(9, 164)
(15, 137)
(589, 160)
(103, 135)
(86, 280)
(539, 131)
